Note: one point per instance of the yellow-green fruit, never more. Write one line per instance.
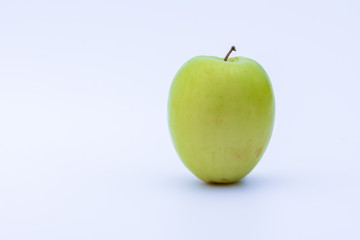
(221, 116)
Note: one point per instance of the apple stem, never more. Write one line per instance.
(227, 55)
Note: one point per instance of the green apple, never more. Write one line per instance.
(221, 115)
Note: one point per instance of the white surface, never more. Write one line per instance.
(84, 146)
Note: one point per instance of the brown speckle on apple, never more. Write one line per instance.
(237, 154)
(258, 151)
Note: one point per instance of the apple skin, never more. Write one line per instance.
(221, 116)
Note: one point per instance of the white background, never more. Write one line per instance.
(85, 151)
